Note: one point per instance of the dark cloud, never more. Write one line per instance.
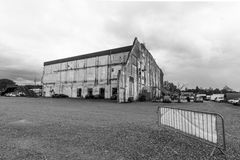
(15, 74)
(14, 66)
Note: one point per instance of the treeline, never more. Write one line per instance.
(171, 87)
(210, 91)
(5, 83)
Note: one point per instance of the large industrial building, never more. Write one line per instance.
(123, 73)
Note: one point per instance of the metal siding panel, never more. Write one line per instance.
(48, 69)
(103, 60)
(114, 71)
(80, 63)
(71, 65)
(70, 75)
(91, 62)
(63, 76)
(64, 66)
(80, 75)
(102, 73)
(55, 67)
(45, 78)
(95, 90)
(90, 74)
(119, 58)
(107, 91)
(67, 90)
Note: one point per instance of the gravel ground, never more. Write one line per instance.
(45, 128)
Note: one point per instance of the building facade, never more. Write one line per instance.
(124, 73)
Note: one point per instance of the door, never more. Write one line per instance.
(102, 92)
(90, 91)
(79, 92)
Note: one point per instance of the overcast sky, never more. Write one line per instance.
(196, 44)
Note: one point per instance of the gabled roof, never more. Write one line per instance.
(89, 55)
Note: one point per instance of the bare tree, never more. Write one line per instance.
(179, 88)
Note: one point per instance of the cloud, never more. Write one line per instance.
(195, 43)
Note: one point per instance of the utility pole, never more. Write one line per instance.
(35, 80)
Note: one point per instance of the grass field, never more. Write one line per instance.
(45, 128)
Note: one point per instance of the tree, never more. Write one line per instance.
(216, 91)
(197, 89)
(4, 83)
(227, 89)
(179, 89)
(169, 86)
(180, 86)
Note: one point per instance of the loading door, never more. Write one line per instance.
(79, 92)
(102, 92)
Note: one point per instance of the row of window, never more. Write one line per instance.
(89, 62)
(101, 92)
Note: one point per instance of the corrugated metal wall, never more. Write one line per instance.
(95, 73)
(132, 74)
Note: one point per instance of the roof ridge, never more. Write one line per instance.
(93, 54)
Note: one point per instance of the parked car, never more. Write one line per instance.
(21, 94)
(59, 96)
(219, 99)
(198, 100)
(208, 98)
(183, 99)
(191, 98)
(232, 101)
(10, 95)
(237, 103)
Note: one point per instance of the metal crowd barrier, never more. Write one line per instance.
(205, 126)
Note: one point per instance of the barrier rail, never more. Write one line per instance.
(205, 126)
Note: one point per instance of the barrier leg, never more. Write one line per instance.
(225, 156)
(222, 152)
(212, 153)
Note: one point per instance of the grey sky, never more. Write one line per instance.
(194, 43)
